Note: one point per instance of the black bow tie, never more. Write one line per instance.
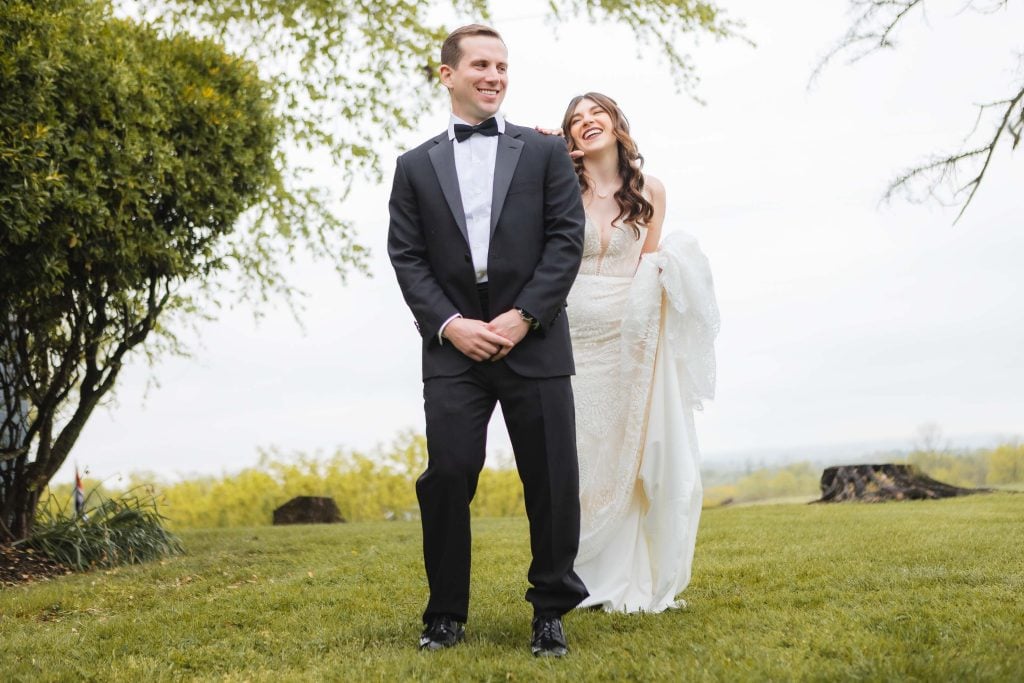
(488, 127)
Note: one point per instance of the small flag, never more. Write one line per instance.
(79, 495)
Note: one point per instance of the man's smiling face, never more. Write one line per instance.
(478, 82)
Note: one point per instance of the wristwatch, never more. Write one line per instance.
(529, 319)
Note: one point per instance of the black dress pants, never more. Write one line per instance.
(540, 418)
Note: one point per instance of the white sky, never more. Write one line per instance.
(842, 320)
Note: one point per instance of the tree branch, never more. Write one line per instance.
(872, 30)
(945, 169)
(99, 380)
(868, 28)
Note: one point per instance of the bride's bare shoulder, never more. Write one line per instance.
(654, 186)
(654, 190)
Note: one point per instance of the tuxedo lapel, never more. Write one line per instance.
(509, 149)
(442, 157)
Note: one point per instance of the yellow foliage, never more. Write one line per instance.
(381, 485)
(799, 479)
(719, 495)
(1006, 464)
(1001, 465)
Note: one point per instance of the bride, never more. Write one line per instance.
(643, 320)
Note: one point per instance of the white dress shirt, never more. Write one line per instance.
(474, 164)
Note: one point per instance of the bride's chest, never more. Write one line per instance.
(611, 240)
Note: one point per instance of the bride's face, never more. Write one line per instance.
(591, 127)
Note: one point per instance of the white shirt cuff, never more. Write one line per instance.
(440, 332)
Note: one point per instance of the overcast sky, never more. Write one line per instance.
(842, 320)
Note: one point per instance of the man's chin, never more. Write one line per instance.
(480, 113)
(489, 109)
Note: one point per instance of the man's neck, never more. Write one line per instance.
(471, 120)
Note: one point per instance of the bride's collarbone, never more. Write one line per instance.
(601, 210)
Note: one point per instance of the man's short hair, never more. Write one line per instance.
(451, 49)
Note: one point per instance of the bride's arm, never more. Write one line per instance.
(657, 199)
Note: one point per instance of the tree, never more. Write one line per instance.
(930, 441)
(125, 161)
(999, 122)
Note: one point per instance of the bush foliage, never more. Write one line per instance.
(126, 159)
(127, 529)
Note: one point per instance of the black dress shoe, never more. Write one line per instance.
(548, 638)
(442, 632)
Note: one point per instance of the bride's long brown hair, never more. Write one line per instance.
(633, 206)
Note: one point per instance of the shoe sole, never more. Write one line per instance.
(434, 646)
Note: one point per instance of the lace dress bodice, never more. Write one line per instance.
(619, 258)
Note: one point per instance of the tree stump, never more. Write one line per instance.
(308, 510)
(879, 483)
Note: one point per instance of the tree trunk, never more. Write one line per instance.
(879, 483)
(17, 503)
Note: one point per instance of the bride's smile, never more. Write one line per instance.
(591, 127)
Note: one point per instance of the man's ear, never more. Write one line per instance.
(445, 72)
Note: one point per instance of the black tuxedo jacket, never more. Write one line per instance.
(535, 249)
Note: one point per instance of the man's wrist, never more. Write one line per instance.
(532, 322)
(444, 326)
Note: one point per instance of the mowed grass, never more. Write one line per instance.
(928, 591)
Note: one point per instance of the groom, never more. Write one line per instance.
(486, 236)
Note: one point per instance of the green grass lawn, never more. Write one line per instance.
(928, 591)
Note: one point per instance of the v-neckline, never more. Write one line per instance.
(604, 246)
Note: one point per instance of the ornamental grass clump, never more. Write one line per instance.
(127, 529)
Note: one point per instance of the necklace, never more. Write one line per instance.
(602, 195)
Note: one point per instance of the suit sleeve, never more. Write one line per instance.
(407, 249)
(544, 295)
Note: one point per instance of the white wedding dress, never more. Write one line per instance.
(643, 334)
